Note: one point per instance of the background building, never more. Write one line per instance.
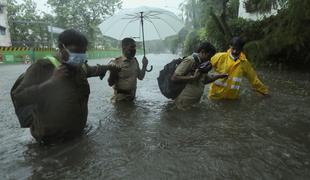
(5, 38)
(253, 16)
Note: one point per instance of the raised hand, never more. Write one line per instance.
(145, 62)
(196, 74)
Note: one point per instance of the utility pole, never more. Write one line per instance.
(52, 36)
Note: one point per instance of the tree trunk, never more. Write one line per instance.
(221, 22)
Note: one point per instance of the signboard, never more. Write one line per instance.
(55, 30)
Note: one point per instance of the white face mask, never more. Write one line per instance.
(76, 58)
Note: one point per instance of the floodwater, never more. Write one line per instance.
(252, 138)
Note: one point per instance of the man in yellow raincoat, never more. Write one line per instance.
(235, 64)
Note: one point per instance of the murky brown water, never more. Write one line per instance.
(253, 138)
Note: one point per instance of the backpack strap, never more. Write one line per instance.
(54, 61)
(196, 58)
(197, 61)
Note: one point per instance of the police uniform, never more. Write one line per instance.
(193, 90)
(124, 82)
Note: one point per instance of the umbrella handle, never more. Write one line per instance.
(149, 70)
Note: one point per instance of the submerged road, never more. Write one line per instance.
(252, 138)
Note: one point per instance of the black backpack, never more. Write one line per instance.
(171, 89)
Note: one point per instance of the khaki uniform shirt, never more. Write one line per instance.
(125, 84)
(193, 90)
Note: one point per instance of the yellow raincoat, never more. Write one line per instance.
(229, 88)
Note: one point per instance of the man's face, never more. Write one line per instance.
(205, 56)
(129, 51)
(235, 51)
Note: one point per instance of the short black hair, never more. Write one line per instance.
(237, 42)
(127, 41)
(207, 47)
(72, 37)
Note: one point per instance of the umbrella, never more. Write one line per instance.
(157, 23)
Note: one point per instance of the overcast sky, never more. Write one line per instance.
(171, 5)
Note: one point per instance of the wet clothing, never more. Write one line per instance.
(124, 82)
(193, 90)
(61, 108)
(229, 88)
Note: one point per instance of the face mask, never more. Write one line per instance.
(76, 58)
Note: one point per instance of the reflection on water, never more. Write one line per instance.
(252, 138)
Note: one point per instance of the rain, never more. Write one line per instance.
(84, 89)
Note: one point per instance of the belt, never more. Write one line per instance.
(121, 91)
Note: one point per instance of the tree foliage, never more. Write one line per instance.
(28, 28)
(284, 37)
(212, 20)
(25, 26)
(84, 15)
(279, 39)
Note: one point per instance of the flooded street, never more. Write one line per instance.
(253, 138)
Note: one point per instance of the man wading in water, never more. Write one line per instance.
(235, 64)
(57, 90)
(124, 82)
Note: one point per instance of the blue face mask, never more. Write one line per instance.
(76, 58)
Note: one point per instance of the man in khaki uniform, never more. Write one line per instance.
(58, 90)
(188, 71)
(124, 82)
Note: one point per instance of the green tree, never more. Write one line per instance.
(285, 37)
(84, 15)
(25, 29)
(190, 10)
(279, 39)
(210, 21)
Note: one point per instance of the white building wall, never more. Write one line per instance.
(5, 38)
(255, 16)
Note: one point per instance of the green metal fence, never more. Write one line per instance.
(99, 54)
(12, 55)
